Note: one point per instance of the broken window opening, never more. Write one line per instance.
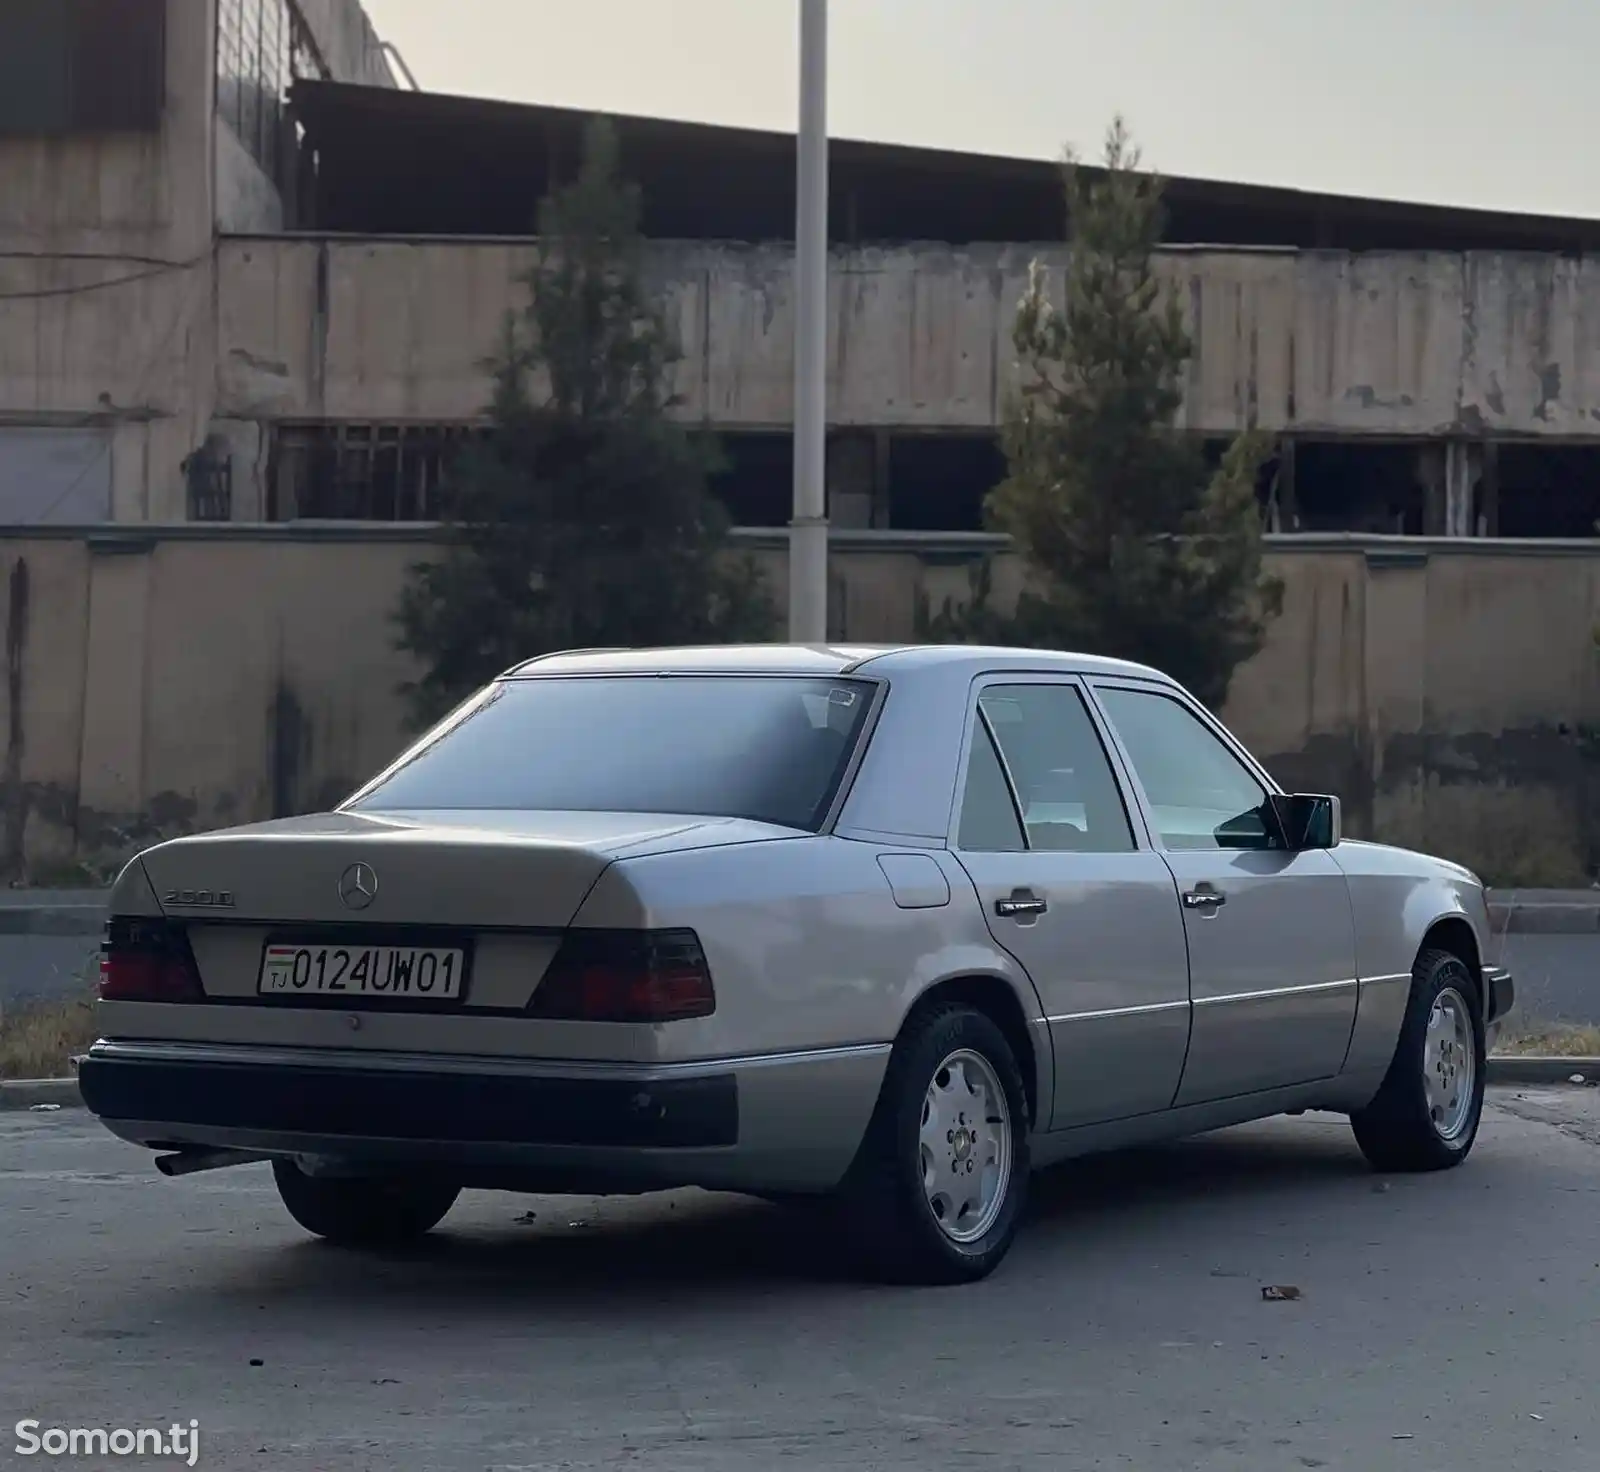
(940, 482)
(1366, 486)
(876, 480)
(755, 480)
(1548, 490)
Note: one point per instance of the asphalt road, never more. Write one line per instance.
(1558, 976)
(1448, 1321)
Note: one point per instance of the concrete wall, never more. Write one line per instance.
(247, 200)
(1379, 344)
(105, 286)
(193, 677)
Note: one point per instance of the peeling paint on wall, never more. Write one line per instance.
(1386, 344)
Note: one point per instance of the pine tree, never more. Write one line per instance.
(1133, 546)
(583, 517)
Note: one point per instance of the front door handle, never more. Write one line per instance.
(1022, 902)
(1204, 899)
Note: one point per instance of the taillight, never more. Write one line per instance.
(147, 961)
(626, 976)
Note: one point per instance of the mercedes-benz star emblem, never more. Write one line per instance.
(358, 886)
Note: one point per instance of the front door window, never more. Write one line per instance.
(1201, 795)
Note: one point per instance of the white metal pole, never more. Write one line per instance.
(808, 531)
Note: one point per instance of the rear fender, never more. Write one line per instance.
(982, 977)
(134, 894)
(975, 959)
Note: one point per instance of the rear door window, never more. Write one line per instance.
(1051, 757)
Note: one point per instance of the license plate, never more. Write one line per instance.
(398, 973)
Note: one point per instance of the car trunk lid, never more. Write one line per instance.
(487, 870)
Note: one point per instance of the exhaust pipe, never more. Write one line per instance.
(191, 1162)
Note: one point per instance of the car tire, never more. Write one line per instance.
(1426, 1115)
(947, 1069)
(367, 1211)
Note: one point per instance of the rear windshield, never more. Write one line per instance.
(726, 746)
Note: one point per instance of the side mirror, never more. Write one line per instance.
(1307, 821)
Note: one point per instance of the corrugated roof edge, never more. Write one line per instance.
(321, 101)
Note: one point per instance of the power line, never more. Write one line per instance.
(157, 268)
(128, 258)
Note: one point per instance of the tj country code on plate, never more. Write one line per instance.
(362, 971)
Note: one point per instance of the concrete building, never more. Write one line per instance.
(1430, 371)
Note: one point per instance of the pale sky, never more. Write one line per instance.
(1451, 101)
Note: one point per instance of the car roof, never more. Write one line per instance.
(820, 659)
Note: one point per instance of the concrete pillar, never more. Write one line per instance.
(1463, 468)
(1488, 521)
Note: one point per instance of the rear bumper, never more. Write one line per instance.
(786, 1122)
(419, 1104)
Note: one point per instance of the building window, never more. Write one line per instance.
(262, 47)
(362, 472)
(82, 66)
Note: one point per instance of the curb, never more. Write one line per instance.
(1534, 1069)
(32, 1093)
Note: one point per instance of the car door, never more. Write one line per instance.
(1071, 888)
(1272, 948)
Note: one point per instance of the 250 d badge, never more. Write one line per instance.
(199, 899)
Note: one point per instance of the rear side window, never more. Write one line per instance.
(989, 822)
(774, 749)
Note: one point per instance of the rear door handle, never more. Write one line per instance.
(1022, 902)
(1204, 899)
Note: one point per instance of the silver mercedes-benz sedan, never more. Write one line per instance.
(885, 928)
